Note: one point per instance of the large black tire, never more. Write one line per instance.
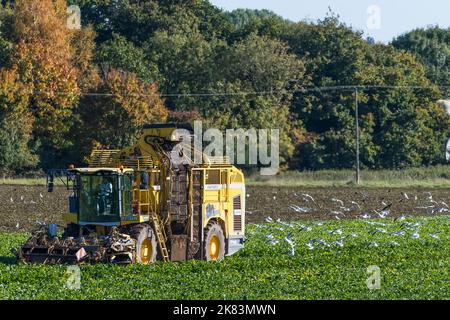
(146, 244)
(214, 246)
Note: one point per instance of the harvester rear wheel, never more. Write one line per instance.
(214, 242)
(146, 245)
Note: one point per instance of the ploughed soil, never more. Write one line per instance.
(21, 207)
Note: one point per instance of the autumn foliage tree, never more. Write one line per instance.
(44, 59)
(53, 100)
(83, 50)
(113, 117)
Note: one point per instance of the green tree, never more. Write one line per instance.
(137, 21)
(118, 53)
(410, 128)
(6, 45)
(241, 18)
(400, 126)
(261, 22)
(263, 66)
(187, 64)
(179, 38)
(431, 47)
(334, 55)
(15, 124)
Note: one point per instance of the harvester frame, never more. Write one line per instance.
(138, 205)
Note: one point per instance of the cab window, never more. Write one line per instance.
(99, 198)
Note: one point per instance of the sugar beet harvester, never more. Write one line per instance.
(139, 205)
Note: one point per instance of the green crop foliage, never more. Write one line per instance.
(411, 267)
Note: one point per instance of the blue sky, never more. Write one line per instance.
(381, 19)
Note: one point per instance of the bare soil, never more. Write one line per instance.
(356, 202)
(22, 206)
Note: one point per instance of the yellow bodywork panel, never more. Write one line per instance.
(224, 198)
(70, 218)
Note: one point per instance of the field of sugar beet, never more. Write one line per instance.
(302, 243)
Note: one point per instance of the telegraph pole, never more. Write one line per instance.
(358, 175)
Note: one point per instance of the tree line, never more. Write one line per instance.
(146, 61)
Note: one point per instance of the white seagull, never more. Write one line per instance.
(289, 240)
(338, 201)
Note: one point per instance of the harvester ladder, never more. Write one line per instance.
(160, 236)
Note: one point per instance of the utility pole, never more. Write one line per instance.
(358, 176)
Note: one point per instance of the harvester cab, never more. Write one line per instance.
(99, 196)
(140, 204)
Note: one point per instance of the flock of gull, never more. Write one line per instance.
(379, 222)
(22, 200)
(340, 210)
(430, 205)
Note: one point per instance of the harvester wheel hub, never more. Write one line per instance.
(214, 248)
(146, 251)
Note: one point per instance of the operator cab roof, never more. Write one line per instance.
(97, 170)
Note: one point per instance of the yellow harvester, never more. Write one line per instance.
(138, 205)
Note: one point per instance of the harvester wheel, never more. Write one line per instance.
(146, 246)
(214, 242)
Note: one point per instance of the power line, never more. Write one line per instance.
(342, 88)
(349, 88)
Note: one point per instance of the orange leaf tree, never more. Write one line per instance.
(114, 117)
(44, 59)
